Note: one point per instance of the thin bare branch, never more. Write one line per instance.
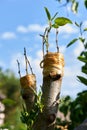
(26, 61)
(30, 66)
(57, 40)
(19, 68)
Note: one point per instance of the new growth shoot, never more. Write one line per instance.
(53, 22)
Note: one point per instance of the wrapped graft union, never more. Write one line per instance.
(28, 86)
(53, 63)
(28, 81)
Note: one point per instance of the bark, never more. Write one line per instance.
(51, 91)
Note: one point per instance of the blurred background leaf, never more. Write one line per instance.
(10, 89)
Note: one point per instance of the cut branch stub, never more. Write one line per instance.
(28, 88)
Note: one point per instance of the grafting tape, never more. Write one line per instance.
(28, 87)
(28, 81)
(53, 62)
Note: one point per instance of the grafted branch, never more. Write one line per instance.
(53, 65)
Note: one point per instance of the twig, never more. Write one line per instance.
(47, 36)
(30, 66)
(19, 68)
(26, 60)
(57, 40)
(45, 39)
(42, 44)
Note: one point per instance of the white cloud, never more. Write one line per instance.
(22, 29)
(66, 30)
(85, 24)
(52, 47)
(39, 54)
(78, 49)
(8, 35)
(62, 49)
(70, 85)
(69, 29)
(36, 28)
(31, 28)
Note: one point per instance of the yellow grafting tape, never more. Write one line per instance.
(28, 81)
(53, 62)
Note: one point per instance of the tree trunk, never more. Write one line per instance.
(53, 67)
(51, 91)
(53, 64)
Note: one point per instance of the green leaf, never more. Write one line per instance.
(47, 13)
(82, 39)
(86, 45)
(85, 29)
(85, 3)
(82, 53)
(85, 53)
(55, 26)
(83, 59)
(8, 102)
(78, 106)
(82, 80)
(74, 7)
(60, 21)
(72, 42)
(54, 16)
(84, 69)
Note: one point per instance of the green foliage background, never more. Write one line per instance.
(10, 88)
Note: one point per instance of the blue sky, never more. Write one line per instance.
(21, 22)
